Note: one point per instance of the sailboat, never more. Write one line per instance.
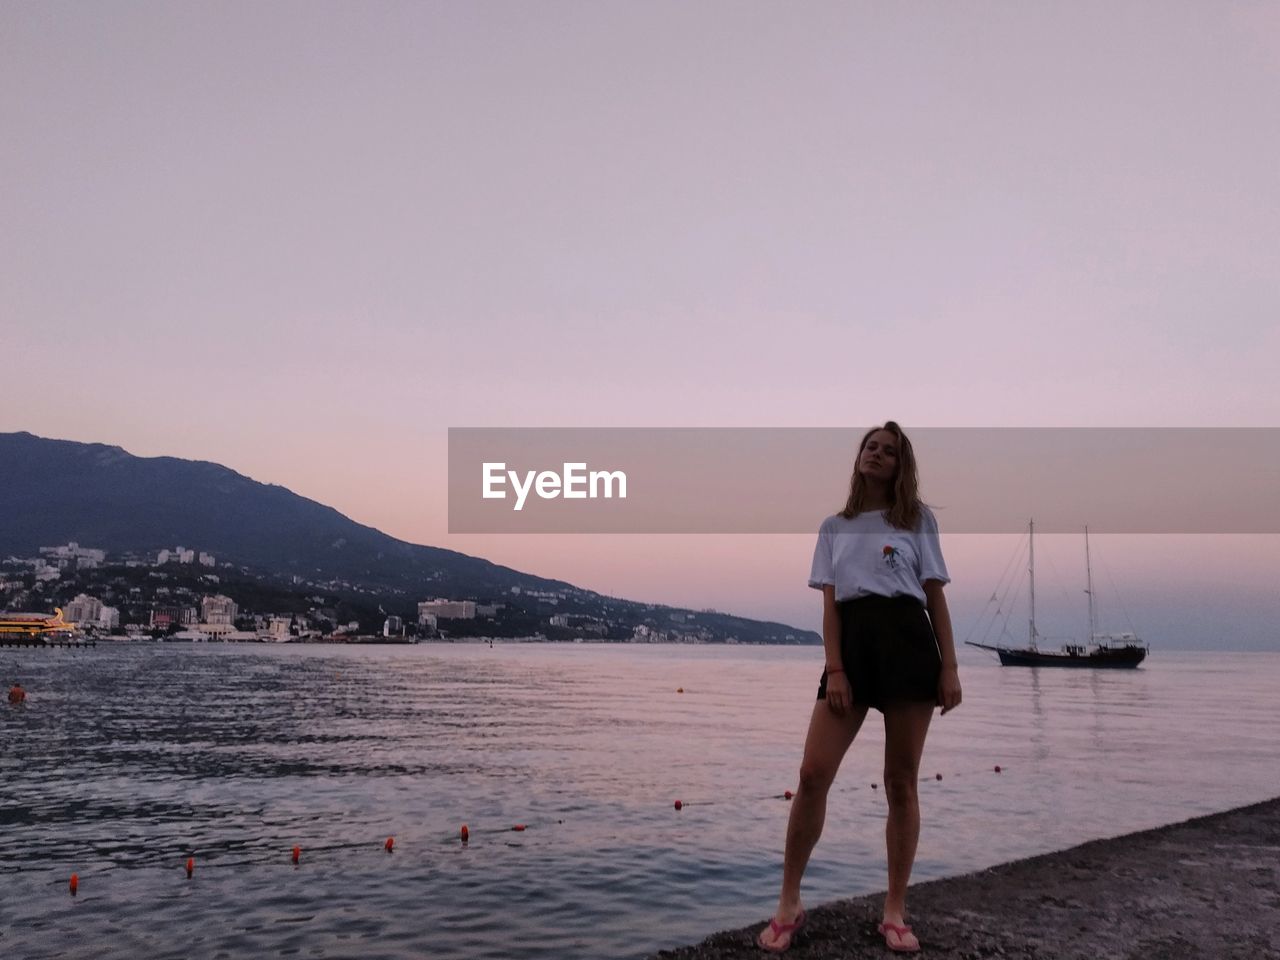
(1102, 650)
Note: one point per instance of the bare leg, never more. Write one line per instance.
(825, 745)
(905, 727)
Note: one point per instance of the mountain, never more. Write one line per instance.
(55, 491)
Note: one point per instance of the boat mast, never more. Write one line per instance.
(1031, 546)
(1088, 573)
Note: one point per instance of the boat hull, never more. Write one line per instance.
(1123, 658)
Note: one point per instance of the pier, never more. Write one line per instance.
(73, 642)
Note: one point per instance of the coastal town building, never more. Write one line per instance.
(86, 611)
(443, 609)
(551, 596)
(45, 571)
(216, 631)
(108, 618)
(84, 557)
(392, 627)
(82, 609)
(191, 635)
(218, 609)
(166, 616)
(581, 622)
(278, 630)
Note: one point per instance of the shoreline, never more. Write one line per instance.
(1206, 887)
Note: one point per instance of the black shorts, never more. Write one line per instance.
(889, 651)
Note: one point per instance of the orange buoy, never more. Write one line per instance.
(518, 828)
(679, 805)
(466, 834)
(679, 689)
(997, 768)
(191, 865)
(787, 795)
(297, 853)
(391, 842)
(74, 885)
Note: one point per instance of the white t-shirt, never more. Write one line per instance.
(867, 555)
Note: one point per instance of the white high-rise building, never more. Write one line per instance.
(87, 611)
(83, 609)
(218, 609)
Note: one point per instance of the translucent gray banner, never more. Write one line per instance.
(786, 480)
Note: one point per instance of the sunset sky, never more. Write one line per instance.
(305, 239)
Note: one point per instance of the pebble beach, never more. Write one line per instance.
(1204, 888)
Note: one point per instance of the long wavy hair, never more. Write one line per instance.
(904, 493)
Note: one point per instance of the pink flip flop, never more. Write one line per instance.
(901, 931)
(791, 929)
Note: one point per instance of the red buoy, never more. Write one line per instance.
(466, 834)
(191, 865)
(518, 828)
(74, 885)
(679, 689)
(679, 805)
(937, 776)
(874, 786)
(391, 842)
(297, 853)
(997, 768)
(788, 795)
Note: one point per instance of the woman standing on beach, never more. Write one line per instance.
(879, 567)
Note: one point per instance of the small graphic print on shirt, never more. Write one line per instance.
(890, 556)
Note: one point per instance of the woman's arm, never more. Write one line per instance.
(837, 681)
(949, 683)
(831, 628)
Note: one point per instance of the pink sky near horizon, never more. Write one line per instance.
(303, 240)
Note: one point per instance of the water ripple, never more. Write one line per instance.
(128, 759)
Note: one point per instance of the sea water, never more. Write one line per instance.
(127, 759)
